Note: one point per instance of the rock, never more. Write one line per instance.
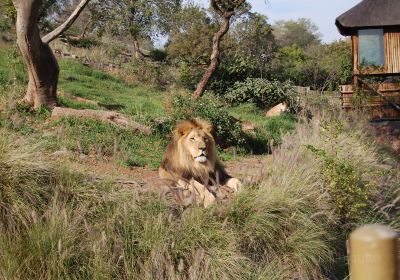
(277, 110)
(61, 153)
(248, 126)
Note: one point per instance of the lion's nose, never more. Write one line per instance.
(203, 149)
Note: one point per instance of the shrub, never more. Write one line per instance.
(228, 130)
(190, 76)
(85, 43)
(148, 72)
(343, 178)
(158, 55)
(232, 69)
(265, 94)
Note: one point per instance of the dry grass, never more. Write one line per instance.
(67, 226)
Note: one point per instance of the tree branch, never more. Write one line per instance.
(59, 30)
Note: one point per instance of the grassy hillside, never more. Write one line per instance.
(100, 90)
(292, 224)
(325, 178)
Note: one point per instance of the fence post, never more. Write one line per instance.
(373, 253)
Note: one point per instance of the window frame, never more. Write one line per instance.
(381, 45)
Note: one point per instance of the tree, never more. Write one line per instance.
(141, 19)
(42, 66)
(328, 65)
(301, 32)
(246, 52)
(190, 38)
(226, 9)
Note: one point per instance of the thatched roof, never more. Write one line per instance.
(369, 14)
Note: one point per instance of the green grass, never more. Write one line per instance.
(106, 141)
(268, 128)
(11, 66)
(69, 226)
(140, 102)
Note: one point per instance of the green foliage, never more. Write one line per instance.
(265, 94)
(189, 76)
(143, 103)
(85, 43)
(233, 69)
(152, 73)
(12, 68)
(344, 183)
(191, 35)
(269, 130)
(228, 130)
(90, 137)
(158, 55)
(301, 32)
(70, 226)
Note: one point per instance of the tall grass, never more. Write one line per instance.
(59, 224)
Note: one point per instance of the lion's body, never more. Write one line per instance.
(191, 158)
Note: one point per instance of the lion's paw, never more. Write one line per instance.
(234, 184)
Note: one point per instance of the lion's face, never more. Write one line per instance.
(197, 142)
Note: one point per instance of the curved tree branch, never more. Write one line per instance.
(226, 9)
(59, 30)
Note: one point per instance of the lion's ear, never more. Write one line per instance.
(183, 128)
(205, 125)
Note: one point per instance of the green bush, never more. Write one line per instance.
(228, 130)
(158, 55)
(344, 181)
(189, 76)
(232, 69)
(265, 94)
(85, 43)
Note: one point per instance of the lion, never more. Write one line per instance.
(190, 161)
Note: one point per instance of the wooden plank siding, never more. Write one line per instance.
(356, 60)
(392, 52)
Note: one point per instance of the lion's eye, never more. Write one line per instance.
(205, 139)
(192, 139)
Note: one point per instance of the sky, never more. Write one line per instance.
(321, 12)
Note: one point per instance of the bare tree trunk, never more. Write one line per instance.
(201, 86)
(137, 51)
(42, 65)
(82, 35)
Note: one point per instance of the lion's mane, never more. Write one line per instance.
(178, 163)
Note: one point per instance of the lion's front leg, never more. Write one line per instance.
(234, 184)
(203, 195)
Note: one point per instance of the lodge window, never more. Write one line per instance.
(371, 47)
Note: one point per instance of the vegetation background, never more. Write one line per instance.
(325, 173)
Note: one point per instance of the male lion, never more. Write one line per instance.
(191, 163)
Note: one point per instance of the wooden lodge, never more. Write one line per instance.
(374, 27)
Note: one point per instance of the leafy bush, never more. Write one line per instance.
(265, 94)
(158, 55)
(228, 130)
(343, 178)
(231, 70)
(148, 72)
(85, 43)
(189, 76)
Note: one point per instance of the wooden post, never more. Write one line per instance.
(373, 253)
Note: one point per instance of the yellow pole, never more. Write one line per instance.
(373, 253)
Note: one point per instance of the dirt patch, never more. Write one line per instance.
(387, 134)
(249, 170)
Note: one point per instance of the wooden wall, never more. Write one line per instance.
(392, 54)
